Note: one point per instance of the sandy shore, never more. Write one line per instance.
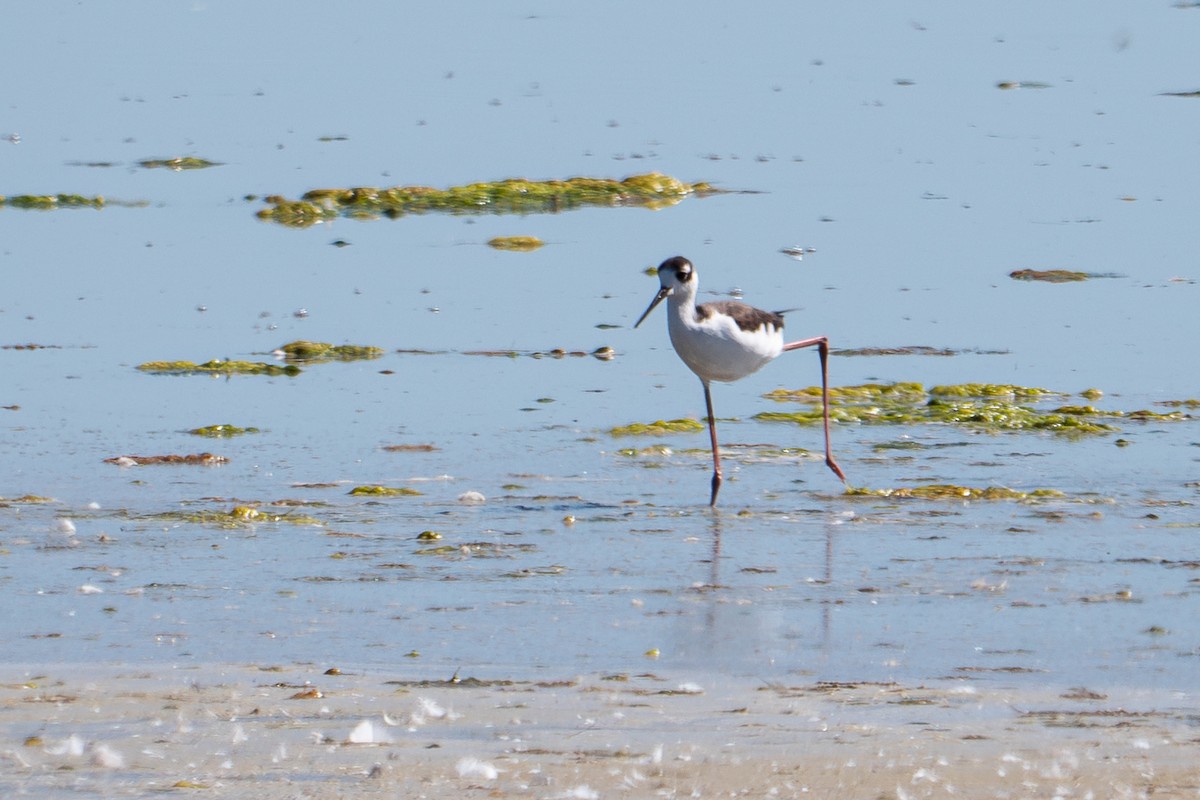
(244, 731)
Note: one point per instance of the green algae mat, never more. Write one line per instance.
(511, 196)
(984, 407)
(178, 164)
(50, 202)
(293, 353)
(217, 367)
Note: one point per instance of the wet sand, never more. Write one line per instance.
(267, 732)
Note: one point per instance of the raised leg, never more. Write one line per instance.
(822, 344)
(712, 433)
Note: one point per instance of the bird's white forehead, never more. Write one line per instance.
(675, 271)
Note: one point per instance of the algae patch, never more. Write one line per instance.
(511, 196)
(991, 390)
(298, 352)
(26, 499)
(49, 202)
(222, 431)
(178, 164)
(518, 244)
(383, 491)
(945, 491)
(980, 406)
(304, 351)
(862, 392)
(658, 427)
(239, 516)
(1049, 275)
(217, 367)
(653, 451)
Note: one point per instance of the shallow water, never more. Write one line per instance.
(879, 138)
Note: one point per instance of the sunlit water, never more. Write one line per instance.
(878, 137)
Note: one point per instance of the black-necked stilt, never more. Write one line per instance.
(725, 341)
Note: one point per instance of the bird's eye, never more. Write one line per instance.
(683, 275)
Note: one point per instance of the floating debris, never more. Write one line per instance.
(409, 448)
(529, 572)
(1008, 85)
(797, 252)
(474, 769)
(1190, 403)
(217, 367)
(302, 351)
(1119, 596)
(202, 459)
(178, 164)
(453, 682)
(368, 732)
(601, 353)
(658, 427)
(914, 350)
(477, 549)
(918, 350)
(383, 491)
(512, 196)
(222, 431)
(654, 450)
(520, 244)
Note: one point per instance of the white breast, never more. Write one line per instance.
(716, 349)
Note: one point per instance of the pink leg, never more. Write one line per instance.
(822, 344)
(712, 433)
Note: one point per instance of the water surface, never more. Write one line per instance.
(879, 137)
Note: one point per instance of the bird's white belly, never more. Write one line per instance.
(717, 350)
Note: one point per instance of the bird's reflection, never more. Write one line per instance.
(717, 629)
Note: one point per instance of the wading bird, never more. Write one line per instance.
(726, 341)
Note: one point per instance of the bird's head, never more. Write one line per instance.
(676, 275)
